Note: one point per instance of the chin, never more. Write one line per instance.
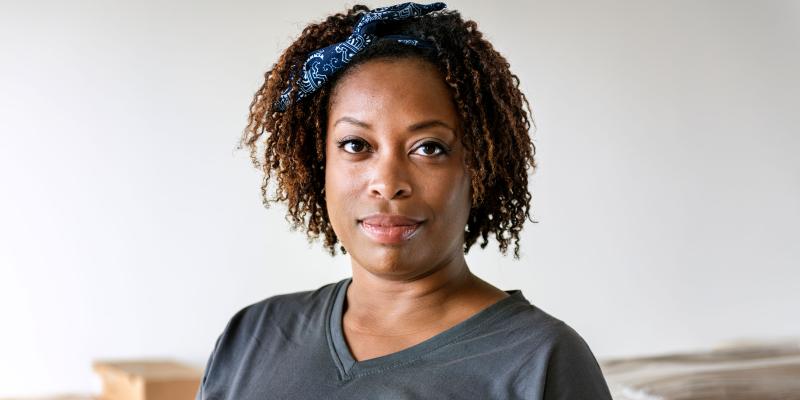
(393, 261)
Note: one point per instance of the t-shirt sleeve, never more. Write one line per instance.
(213, 360)
(572, 370)
(200, 390)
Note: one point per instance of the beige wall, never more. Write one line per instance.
(668, 192)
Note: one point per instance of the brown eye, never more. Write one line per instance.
(431, 149)
(353, 146)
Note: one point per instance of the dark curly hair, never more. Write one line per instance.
(494, 124)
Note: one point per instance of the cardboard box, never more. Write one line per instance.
(147, 380)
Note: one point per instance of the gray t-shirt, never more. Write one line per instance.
(291, 346)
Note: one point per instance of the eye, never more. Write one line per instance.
(353, 146)
(431, 149)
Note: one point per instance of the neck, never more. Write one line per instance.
(381, 304)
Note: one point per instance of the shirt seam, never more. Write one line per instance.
(422, 355)
(338, 363)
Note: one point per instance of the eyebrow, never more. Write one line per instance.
(412, 128)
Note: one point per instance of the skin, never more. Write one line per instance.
(393, 147)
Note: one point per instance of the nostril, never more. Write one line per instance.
(391, 191)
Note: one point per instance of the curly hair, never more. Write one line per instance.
(493, 113)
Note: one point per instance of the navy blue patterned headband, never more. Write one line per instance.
(323, 63)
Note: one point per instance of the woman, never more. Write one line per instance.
(400, 135)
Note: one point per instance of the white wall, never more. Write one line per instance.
(668, 192)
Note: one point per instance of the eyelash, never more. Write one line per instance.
(442, 150)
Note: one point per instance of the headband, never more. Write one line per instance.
(323, 63)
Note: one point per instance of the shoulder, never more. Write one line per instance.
(283, 314)
(555, 334)
(572, 369)
(283, 317)
(540, 329)
(561, 363)
(287, 308)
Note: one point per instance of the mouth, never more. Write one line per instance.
(391, 230)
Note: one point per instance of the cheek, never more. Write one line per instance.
(464, 193)
(449, 192)
(341, 188)
(461, 197)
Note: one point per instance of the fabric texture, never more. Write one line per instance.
(322, 64)
(291, 346)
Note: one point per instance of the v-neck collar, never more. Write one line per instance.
(349, 368)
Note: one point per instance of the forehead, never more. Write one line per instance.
(392, 89)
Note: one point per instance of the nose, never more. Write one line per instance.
(390, 178)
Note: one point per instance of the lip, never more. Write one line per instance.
(389, 228)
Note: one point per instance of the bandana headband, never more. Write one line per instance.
(323, 63)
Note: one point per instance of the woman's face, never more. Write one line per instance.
(396, 186)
